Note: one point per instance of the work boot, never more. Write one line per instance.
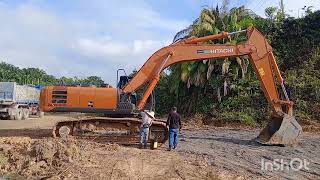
(169, 149)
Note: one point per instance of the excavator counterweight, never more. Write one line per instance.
(121, 104)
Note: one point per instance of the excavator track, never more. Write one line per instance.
(110, 130)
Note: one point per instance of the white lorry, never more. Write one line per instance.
(17, 102)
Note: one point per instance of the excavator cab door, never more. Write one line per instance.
(123, 79)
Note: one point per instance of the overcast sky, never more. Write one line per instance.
(96, 37)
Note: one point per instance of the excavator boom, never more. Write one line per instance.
(282, 128)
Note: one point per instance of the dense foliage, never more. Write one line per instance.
(227, 88)
(37, 76)
(297, 46)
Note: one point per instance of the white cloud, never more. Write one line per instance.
(140, 46)
(91, 39)
(133, 53)
(81, 38)
(98, 48)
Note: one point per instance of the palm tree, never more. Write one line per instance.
(216, 73)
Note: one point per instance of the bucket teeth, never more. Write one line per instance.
(283, 130)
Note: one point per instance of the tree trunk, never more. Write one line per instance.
(219, 95)
(225, 90)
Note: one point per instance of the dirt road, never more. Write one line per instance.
(45, 122)
(234, 150)
(203, 153)
(33, 127)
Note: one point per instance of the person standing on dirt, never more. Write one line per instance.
(174, 124)
(147, 118)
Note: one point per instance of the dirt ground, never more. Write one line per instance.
(28, 151)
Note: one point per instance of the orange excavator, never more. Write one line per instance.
(121, 105)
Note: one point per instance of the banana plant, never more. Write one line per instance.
(202, 73)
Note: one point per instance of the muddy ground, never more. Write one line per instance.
(204, 153)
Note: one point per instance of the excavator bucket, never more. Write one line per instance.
(283, 130)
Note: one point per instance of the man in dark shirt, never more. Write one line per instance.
(174, 124)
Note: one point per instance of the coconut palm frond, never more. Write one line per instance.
(183, 34)
(185, 72)
(225, 66)
(208, 17)
(210, 69)
(207, 27)
(219, 95)
(202, 73)
(225, 86)
(189, 82)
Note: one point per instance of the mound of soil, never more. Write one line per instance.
(41, 158)
(25, 158)
(36, 158)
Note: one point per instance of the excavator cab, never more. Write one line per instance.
(130, 100)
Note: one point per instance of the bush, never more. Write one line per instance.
(242, 117)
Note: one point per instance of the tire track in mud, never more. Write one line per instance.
(235, 151)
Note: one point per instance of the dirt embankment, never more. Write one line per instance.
(22, 158)
(200, 121)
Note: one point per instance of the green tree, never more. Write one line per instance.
(218, 74)
(92, 81)
(36, 76)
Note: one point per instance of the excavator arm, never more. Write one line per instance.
(257, 48)
(283, 129)
(121, 125)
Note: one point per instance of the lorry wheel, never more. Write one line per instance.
(25, 114)
(19, 114)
